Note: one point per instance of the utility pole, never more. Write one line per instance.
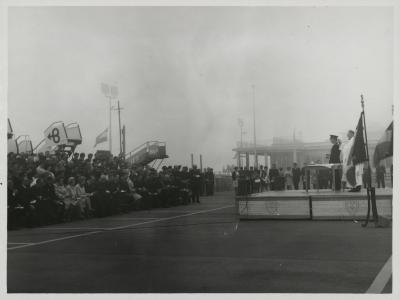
(240, 121)
(254, 128)
(123, 141)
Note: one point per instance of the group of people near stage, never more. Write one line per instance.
(354, 174)
(45, 189)
(254, 180)
(351, 176)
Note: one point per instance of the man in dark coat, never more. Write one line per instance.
(274, 177)
(334, 158)
(305, 177)
(380, 176)
(195, 184)
(296, 176)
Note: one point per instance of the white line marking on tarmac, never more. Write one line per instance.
(55, 240)
(119, 227)
(117, 219)
(381, 279)
(74, 228)
(171, 218)
(174, 211)
(12, 243)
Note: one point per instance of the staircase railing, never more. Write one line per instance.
(140, 147)
(145, 146)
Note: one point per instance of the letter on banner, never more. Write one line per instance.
(55, 134)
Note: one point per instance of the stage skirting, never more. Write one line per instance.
(315, 205)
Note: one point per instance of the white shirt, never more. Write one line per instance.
(346, 149)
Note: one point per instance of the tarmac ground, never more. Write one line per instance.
(199, 248)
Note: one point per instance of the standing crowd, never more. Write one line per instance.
(46, 189)
(255, 180)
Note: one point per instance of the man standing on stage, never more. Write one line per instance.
(380, 176)
(352, 174)
(296, 176)
(235, 179)
(304, 177)
(335, 159)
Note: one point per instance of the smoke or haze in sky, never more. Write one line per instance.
(185, 73)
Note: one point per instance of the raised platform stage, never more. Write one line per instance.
(322, 204)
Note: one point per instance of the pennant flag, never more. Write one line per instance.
(102, 137)
(384, 148)
(358, 151)
(9, 130)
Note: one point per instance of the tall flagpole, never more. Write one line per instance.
(370, 189)
(254, 128)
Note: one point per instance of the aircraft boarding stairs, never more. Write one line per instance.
(150, 153)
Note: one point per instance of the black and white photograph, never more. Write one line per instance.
(199, 148)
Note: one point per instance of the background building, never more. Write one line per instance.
(284, 151)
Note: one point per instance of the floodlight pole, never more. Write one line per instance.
(109, 126)
(254, 129)
(119, 123)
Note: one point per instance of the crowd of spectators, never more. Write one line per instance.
(51, 188)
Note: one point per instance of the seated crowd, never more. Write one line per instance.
(46, 189)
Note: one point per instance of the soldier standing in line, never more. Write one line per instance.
(380, 176)
(296, 172)
(195, 184)
(256, 181)
(273, 177)
(247, 180)
(235, 180)
(251, 180)
(210, 181)
(334, 158)
(304, 176)
(242, 185)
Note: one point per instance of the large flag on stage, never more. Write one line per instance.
(358, 152)
(384, 148)
(102, 137)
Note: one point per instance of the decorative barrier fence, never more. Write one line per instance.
(312, 205)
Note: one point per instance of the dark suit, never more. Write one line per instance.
(273, 177)
(195, 185)
(296, 177)
(335, 159)
(335, 155)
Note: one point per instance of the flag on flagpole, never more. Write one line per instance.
(101, 138)
(358, 152)
(384, 148)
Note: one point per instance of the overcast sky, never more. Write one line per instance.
(185, 74)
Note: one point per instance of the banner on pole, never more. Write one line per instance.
(101, 138)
